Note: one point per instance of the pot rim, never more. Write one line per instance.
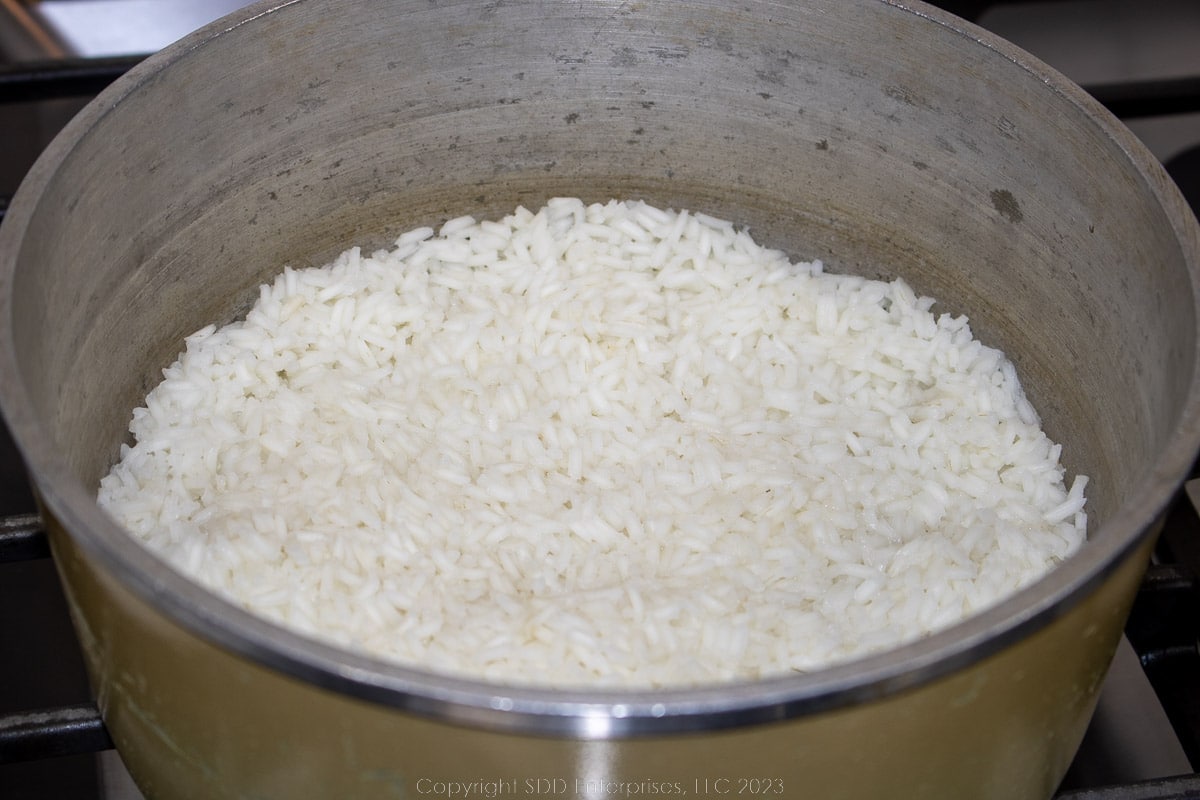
(587, 713)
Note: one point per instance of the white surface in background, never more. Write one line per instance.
(96, 28)
(115, 781)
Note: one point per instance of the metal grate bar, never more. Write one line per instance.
(33, 735)
(79, 77)
(22, 538)
(1149, 98)
(1184, 787)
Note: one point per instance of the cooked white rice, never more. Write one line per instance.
(597, 445)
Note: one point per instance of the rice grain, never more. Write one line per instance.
(597, 445)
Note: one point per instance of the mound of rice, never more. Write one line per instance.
(604, 445)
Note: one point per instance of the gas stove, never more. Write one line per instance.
(1144, 741)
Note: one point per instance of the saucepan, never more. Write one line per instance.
(883, 137)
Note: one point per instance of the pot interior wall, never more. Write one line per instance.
(876, 139)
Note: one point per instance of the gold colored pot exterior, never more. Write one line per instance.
(192, 720)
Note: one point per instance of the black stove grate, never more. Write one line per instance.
(77, 77)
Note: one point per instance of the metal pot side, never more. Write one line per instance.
(193, 720)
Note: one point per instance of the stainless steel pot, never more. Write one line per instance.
(885, 138)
